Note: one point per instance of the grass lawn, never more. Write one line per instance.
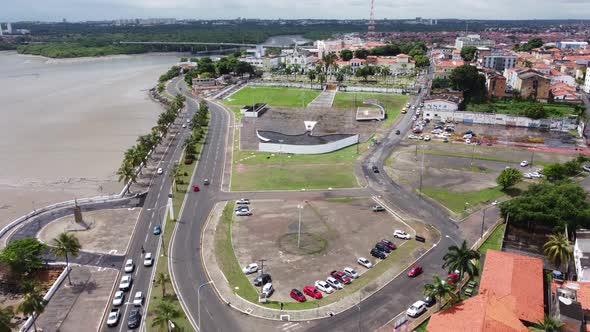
(422, 327)
(274, 96)
(393, 103)
(455, 201)
(254, 170)
(516, 107)
(479, 154)
(494, 241)
(344, 199)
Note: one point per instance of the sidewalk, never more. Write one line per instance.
(227, 295)
(324, 100)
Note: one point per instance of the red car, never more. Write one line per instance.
(196, 188)
(341, 276)
(297, 295)
(312, 292)
(453, 278)
(389, 244)
(414, 271)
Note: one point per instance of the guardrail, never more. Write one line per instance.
(47, 296)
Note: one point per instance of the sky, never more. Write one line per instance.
(81, 10)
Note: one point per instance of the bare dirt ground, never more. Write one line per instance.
(334, 235)
(109, 230)
(290, 121)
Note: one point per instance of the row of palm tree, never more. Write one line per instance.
(197, 124)
(139, 153)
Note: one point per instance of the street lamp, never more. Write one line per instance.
(300, 207)
(171, 325)
(483, 218)
(199, 302)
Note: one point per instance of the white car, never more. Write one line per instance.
(334, 283)
(365, 262)
(536, 175)
(527, 176)
(467, 136)
(412, 136)
(183, 126)
(113, 317)
(416, 309)
(160, 171)
(250, 268)
(267, 289)
(243, 201)
(129, 266)
(524, 163)
(243, 212)
(148, 259)
(401, 235)
(125, 283)
(349, 271)
(138, 299)
(119, 298)
(468, 141)
(427, 138)
(586, 168)
(324, 287)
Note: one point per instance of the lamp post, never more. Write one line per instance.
(171, 326)
(300, 207)
(199, 302)
(483, 218)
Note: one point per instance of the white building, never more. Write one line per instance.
(558, 77)
(587, 81)
(582, 255)
(264, 63)
(297, 56)
(572, 45)
(473, 40)
(433, 104)
(499, 60)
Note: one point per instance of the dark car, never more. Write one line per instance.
(262, 279)
(341, 276)
(389, 244)
(157, 230)
(297, 295)
(397, 132)
(375, 169)
(429, 300)
(382, 247)
(134, 319)
(378, 253)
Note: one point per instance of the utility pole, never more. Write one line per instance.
(300, 207)
(261, 272)
(421, 170)
(483, 219)
(532, 159)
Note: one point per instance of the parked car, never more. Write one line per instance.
(429, 301)
(148, 259)
(183, 125)
(536, 175)
(414, 271)
(382, 247)
(351, 273)
(586, 168)
(196, 188)
(334, 283)
(364, 262)
(378, 253)
(160, 170)
(267, 289)
(378, 208)
(401, 234)
(417, 309)
(113, 318)
(324, 287)
(250, 268)
(468, 141)
(524, 163)
(262, 279)
(242, 208)
(297, 295)
(138, 299)
(119, 298)
(157, 230)
(243, 201)
(129, 266)
(243, 212)
(375, 169)
(389, 244)
(397, 132)
(527, 176)
(313, 292)
(427, 138)
(453, 277)
(134, 319)
(341, 276)
(126, 283)
(206, 182)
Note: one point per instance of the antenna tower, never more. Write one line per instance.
(371, 24)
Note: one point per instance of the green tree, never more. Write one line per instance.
(32, 305)
(312, 76)
(509, 177)
(468, 53)
(65, 245)
(422, 61)
(164, 313)
(555, 172)
(6, 315)
(162, 279)
(346, 55)
(361, 53)
(242, 68)
(339, 77)
(440, 83)
(23, 255)
(462, 259)
(467, 79)
(328, 59)
(160, 87)
(440, 290)
(321, 78)
(535, 111)
(126, 173)
(548, 324)
(365, 72)
(558, 250)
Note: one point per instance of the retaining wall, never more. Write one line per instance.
(308, 149)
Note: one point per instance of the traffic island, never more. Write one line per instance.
(334, 235)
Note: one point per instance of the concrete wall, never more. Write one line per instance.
(370, 89)
(308, 149)
(288, 84)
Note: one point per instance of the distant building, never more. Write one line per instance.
(440, 103)
(499, 60)
(297, 56)
(574, 45)
(582, 255)
(587, 81)
(473, 40)
(532, 84)
(496, 85)
(265, 63)
(8, 28)
(442, 69)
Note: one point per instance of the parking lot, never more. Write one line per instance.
(333, 236)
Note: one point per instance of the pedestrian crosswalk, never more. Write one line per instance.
(290, 326)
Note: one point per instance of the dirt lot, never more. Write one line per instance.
(334, 234)
(290, 121)
(109, 231)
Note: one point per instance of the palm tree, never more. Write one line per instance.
(311, 75)
(322, 78)
(126, 173)
(461, 259)
(6, 315)
(176, 174)
(33, 305)
(440, 290)
(164, 313)
(339, 77)
(161, 280)
(558, 250)
(66, 244)
(328, 59)
(548, 324)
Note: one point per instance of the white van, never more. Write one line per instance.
(267, 289)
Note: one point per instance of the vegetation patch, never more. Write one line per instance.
(392, 103)
(310, 243)
(519, 107)
(460, 201)
(274, 96)
(345, 199)
(494, 241)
